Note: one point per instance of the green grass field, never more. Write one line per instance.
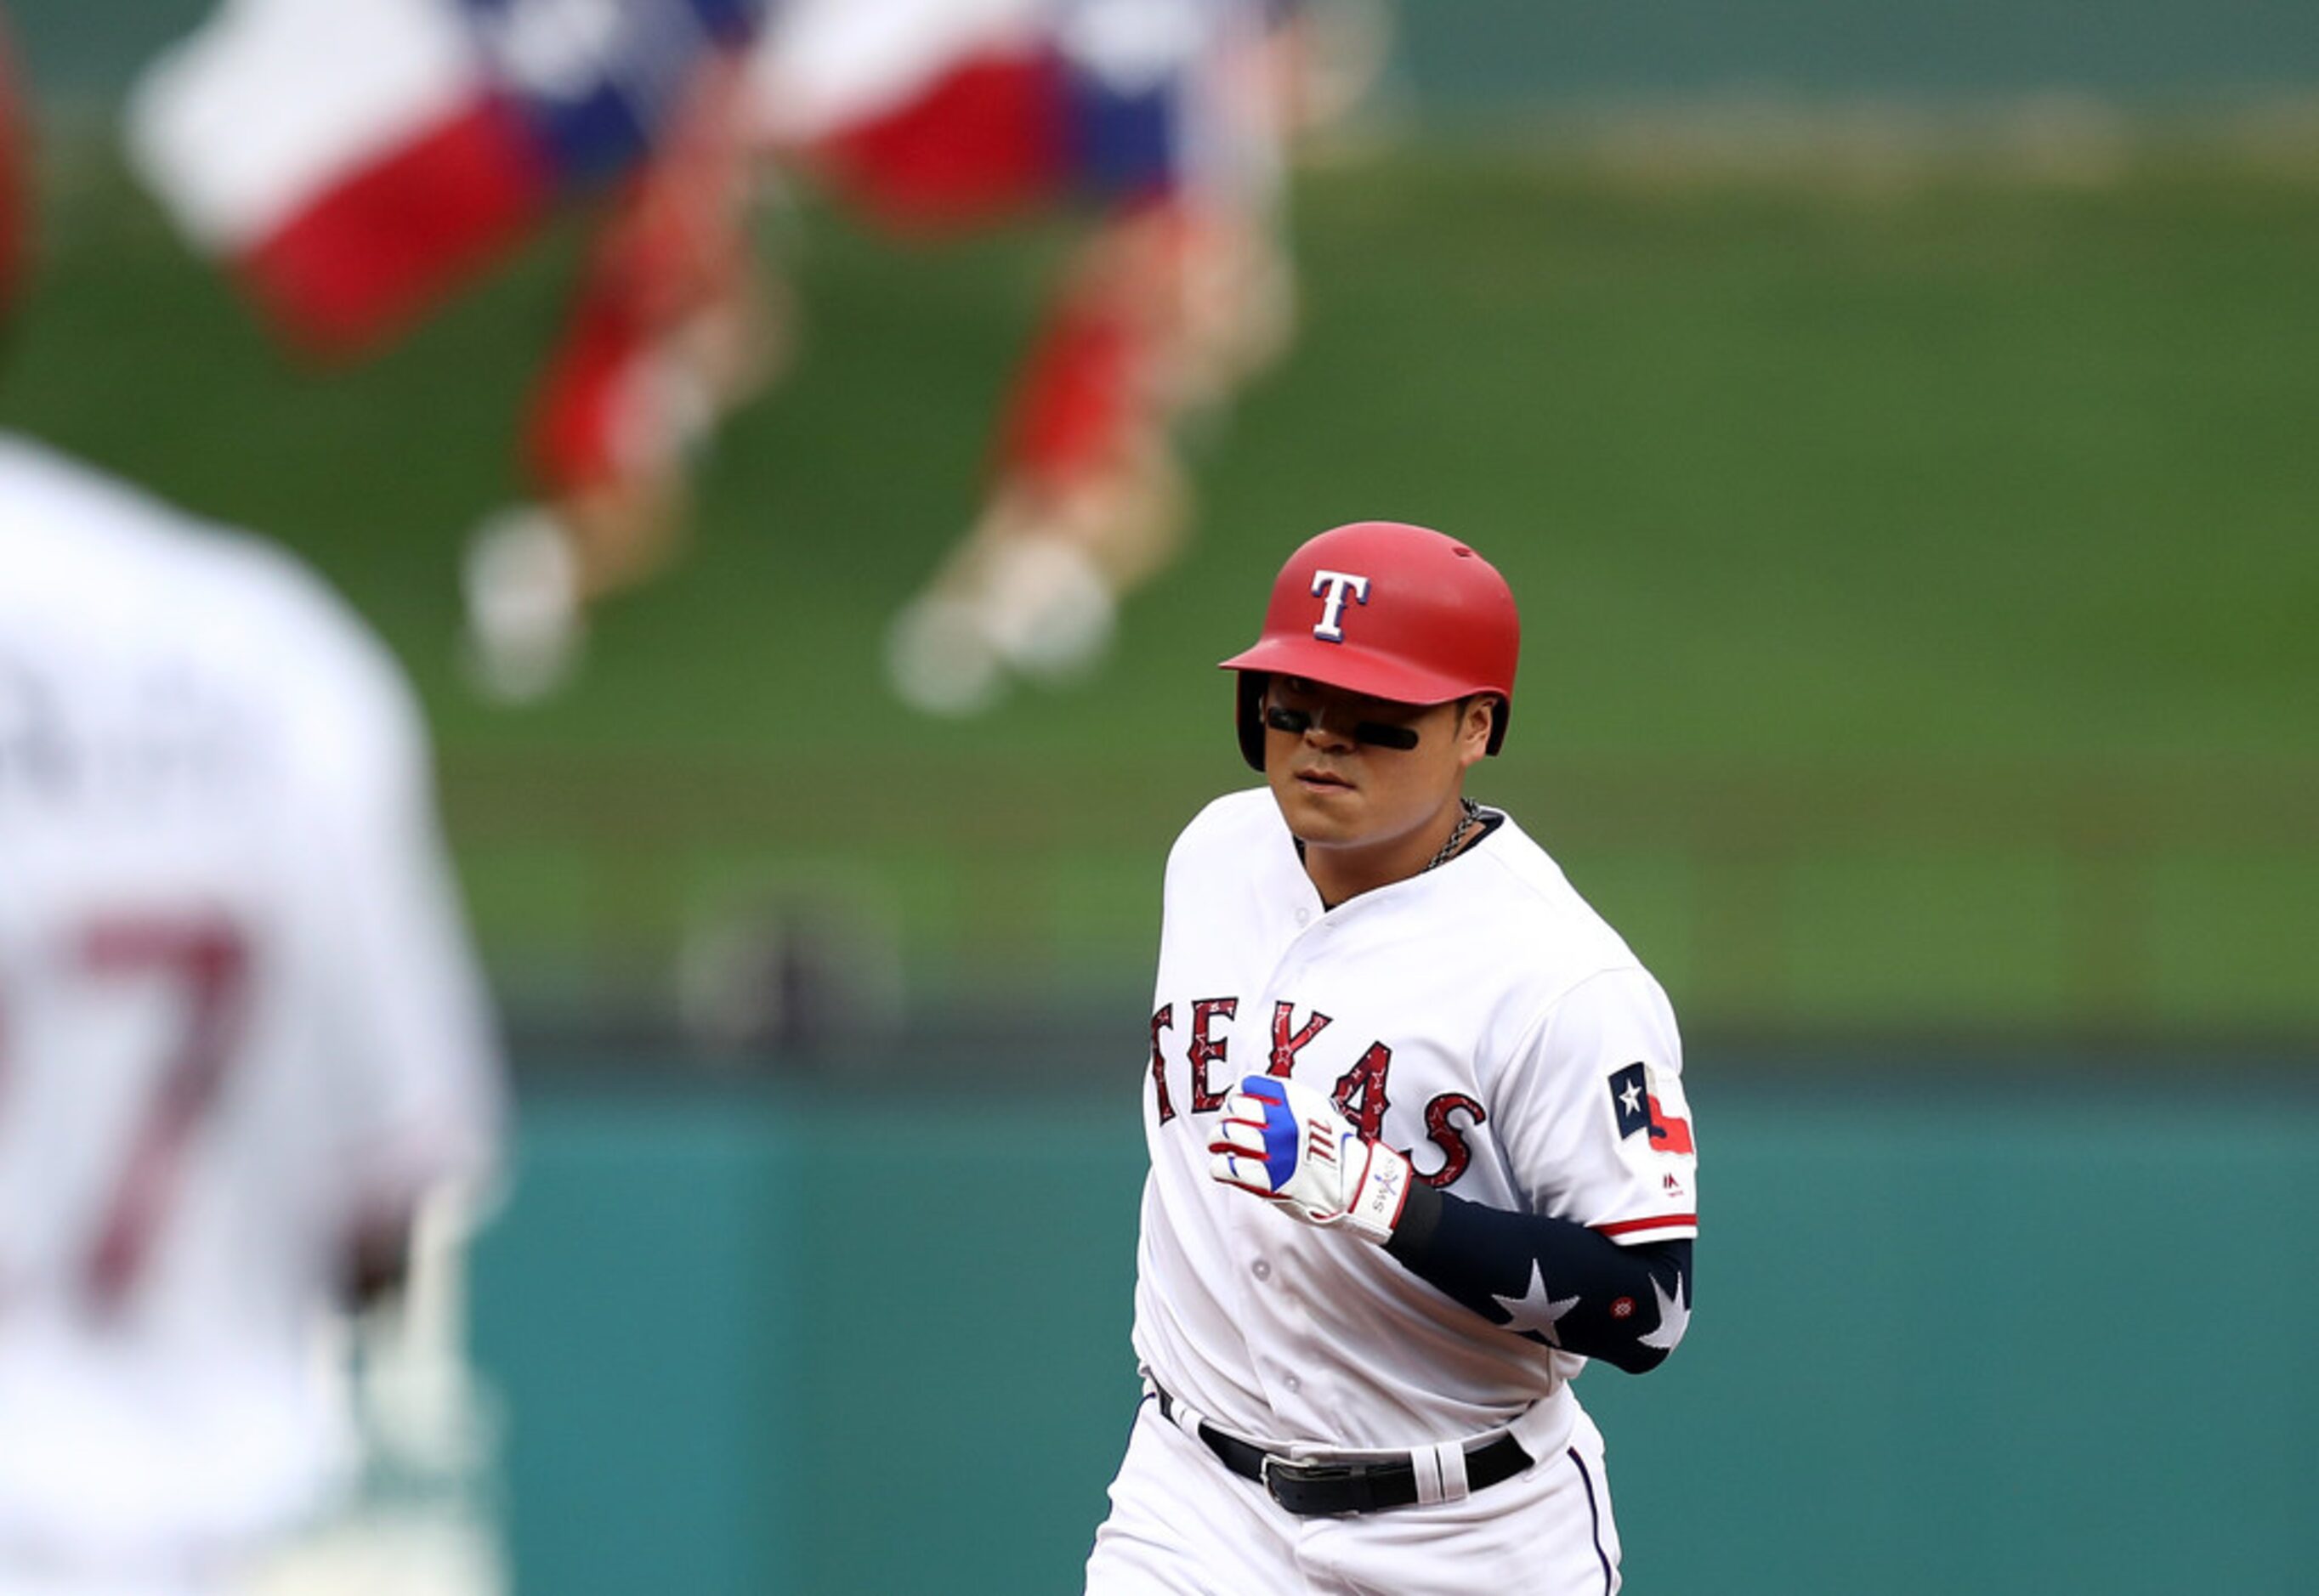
(1922, 592)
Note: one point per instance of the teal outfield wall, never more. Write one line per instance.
(2003, 1334)
(1492, 54)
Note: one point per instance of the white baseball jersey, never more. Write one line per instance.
(1481, 1018)
(237, 1012)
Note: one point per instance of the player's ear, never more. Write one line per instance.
(1475, 716)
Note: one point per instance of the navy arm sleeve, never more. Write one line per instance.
(1556, 1282)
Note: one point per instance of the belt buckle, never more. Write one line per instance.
(1275, 1468)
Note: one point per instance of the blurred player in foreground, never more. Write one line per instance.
(245, 1056)
(1419, 1144)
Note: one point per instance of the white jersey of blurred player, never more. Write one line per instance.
(241, 1028)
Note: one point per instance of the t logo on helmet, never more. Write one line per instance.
(1337, 584)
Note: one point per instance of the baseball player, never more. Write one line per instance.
(242, 1039)
(1419, 1143)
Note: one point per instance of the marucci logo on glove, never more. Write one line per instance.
(1377, 1207)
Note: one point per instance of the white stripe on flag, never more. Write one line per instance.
(272, 100)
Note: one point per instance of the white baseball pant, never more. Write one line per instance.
(1182, 1523)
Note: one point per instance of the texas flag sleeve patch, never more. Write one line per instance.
(1631, 1099)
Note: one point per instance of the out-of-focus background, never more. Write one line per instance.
(1897, 422)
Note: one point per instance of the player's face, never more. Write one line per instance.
(1369, 786)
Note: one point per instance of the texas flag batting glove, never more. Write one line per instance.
(1285, 1141)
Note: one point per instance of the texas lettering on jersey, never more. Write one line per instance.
(1361, 1093)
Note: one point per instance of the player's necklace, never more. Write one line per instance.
(1470, 818)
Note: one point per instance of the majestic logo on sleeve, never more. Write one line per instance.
(1335, 585)
(1637, 1110)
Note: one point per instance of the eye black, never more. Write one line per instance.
(1377, 734)
(1381, 735)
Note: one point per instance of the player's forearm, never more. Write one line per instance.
(1560, 1282)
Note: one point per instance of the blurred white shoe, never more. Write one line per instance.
(525, 628)
(940, 660)
(1047, 610)
(1040, 608)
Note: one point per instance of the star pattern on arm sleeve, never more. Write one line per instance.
(1674, 1316)
(1536, 1310)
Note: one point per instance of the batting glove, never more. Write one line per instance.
(1286, 1143)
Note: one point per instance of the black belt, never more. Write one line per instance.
(1320, 1488)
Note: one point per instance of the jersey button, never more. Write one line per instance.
(1261, 1270)
(1294, 1385)
(1303, 916)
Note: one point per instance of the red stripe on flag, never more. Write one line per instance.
(985, 139)
(1664, 1221)
(1668, 1133)
(368, 255)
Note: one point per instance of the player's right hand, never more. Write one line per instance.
(1288, 1144)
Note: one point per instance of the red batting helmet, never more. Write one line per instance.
(1390, 610)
